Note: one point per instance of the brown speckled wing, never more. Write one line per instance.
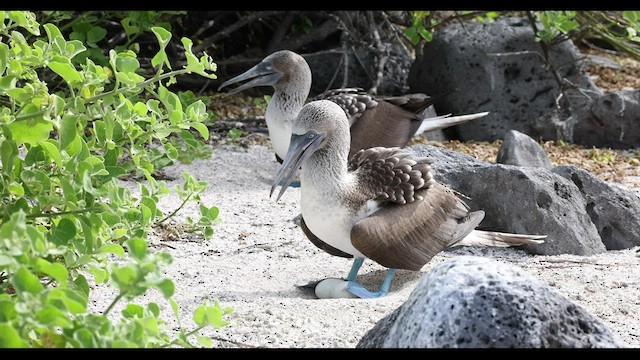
(353, 101)
(407, 236)
(390, 174)
(385, 125)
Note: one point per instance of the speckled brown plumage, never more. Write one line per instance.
(391, 174)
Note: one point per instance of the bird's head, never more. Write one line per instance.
(278, 69)
(317, 124)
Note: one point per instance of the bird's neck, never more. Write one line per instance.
(327, 167)
(285, 103)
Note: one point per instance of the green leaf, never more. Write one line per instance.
(33, 130)
(8, 152)
(69, 300)
(115, 249)
(192, 61)
(55, 270)
(85, 338)
(154, 309)
(202, 129)
(200, 314)
(150, 325)
(166, 287)
(10, 338)
(4, 57)
(133, 311)
(214, 317)
(64, 231)
(7, 83)
(6, 260)
(52, 151)
(176, 310)
(631, 16)
(137, 248)
(52, 316)
(100, 275)
(82, 284)
(164, 37)
(124, 277)
(205, 341)
(96, 34)
(66, 70)
(68, 130)
(7, 311)
(25, 281)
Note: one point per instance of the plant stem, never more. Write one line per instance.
(51, 215)
(113, 303)
(176, 210)
(142, 84)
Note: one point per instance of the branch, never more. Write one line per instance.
(319, 33)
(278, 35)
(242, 22)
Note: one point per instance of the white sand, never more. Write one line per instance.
(258, 256)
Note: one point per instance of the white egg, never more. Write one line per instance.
(333, 289)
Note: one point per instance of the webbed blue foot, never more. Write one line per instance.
(362, 292)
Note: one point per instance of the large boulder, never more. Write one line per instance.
(615, 211)
(496, 67)
(610, 120)
(475, 302)
(524, 200)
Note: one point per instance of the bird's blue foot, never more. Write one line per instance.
(361, 292)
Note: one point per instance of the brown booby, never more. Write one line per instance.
(389, 121)
(381, 204)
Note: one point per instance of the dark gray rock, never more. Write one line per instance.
(327, 71)
(614, 211)
(514, 86)
(475, 302)
(520, 200)
(610, 120)
(520, 149)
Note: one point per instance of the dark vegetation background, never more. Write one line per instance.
(237, 40)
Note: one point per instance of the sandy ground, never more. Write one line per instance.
(258, 256)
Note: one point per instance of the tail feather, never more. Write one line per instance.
(444, 121)
(498, 239)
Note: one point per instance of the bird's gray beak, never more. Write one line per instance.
(300, 148)
(263, 73)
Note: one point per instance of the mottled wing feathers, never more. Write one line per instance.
(407, 236)
(353, 101)
(389, 121)
(385, 125)
(414, 103)
(390, 174)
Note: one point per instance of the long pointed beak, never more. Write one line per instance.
(300, 148)
(263, 73)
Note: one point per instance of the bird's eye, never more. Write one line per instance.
(311, 135)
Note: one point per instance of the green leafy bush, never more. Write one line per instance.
(64, 216)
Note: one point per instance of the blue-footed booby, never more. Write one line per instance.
(381, 204)
(389, 121)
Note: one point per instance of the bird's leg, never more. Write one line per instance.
(357, 263)
(361, 292)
